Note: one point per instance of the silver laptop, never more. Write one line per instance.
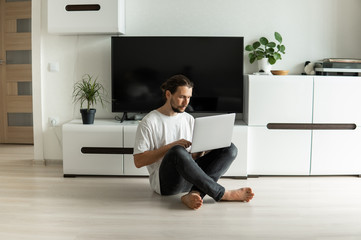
(212, 132)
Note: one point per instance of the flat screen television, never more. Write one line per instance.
(139, 65)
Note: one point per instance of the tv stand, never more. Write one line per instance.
(105, 148)
(296, 125)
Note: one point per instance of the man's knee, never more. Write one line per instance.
(232, 151)
(177, 151)
(178, 155)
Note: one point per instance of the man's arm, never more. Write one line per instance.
(152, 156)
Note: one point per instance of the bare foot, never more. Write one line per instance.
(242, 194)
(192, 200)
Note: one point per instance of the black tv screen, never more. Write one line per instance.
(139, 65)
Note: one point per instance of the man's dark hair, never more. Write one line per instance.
(174, 82)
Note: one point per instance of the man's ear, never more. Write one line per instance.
(167, 94)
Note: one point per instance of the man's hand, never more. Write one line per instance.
(197, 155)
(148, 157)
(182, 142)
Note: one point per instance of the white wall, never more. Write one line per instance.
(311, 30)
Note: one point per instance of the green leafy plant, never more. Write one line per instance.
(266, 49)
(89, 90)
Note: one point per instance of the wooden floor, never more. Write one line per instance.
(36, 202)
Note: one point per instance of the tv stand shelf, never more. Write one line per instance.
(106, 147)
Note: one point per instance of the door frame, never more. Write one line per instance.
(2, 57)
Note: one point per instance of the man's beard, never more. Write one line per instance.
(175, 109)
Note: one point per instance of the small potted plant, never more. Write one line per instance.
(89, 91)
(264, 50)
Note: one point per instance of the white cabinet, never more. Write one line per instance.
(317, 117)
(79, 143)
(86, 16)
(105, 148)
(280, 100)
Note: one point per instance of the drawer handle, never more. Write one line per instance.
(312, 126)
(82, 7)
(106, 150)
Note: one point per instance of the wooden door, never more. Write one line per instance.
(15, 72)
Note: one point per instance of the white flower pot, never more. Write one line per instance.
(264, 66)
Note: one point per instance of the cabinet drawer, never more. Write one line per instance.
(278, 152)
(336, 152)
(278, 99)
(337, 100)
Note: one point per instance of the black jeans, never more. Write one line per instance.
(180, 173)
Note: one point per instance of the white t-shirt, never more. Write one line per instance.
(157, 130)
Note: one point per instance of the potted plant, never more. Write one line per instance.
(89, 91)
(266, 51)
